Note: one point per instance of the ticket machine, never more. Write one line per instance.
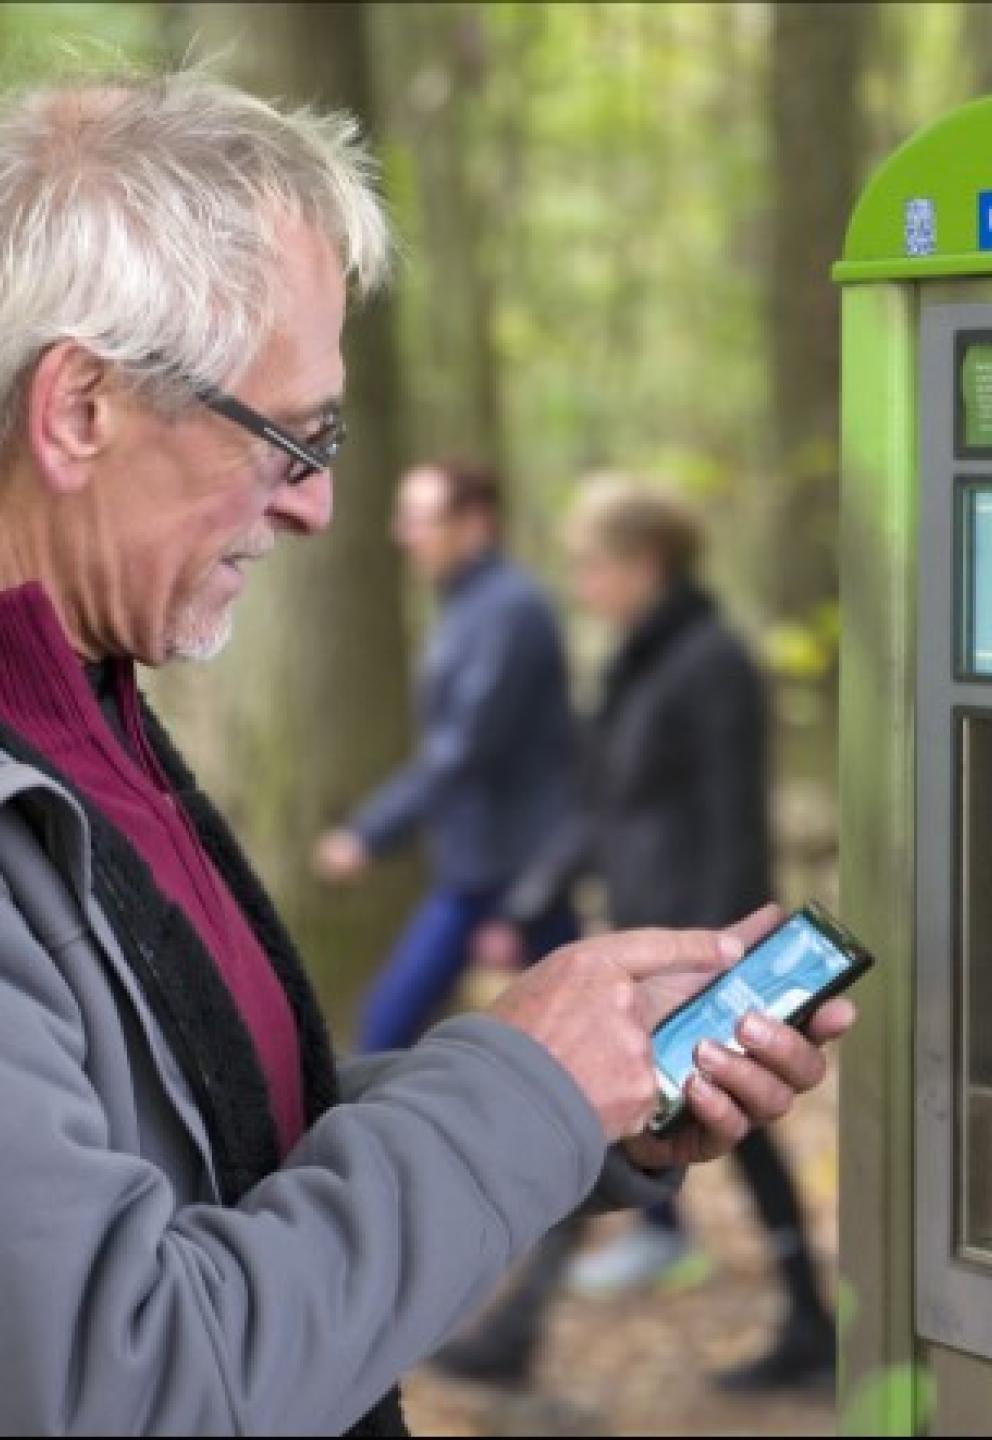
(915, 1301)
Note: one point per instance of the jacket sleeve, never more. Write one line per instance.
(620, 1185)
(294, 1311)
(491, 691)
(566, 856)
(729, 726)
(569, 853)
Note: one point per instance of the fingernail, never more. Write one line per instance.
(708, 1056)
(755, 1030)
(731, 947)
(702, 1087)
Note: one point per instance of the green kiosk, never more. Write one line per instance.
(915, 1303)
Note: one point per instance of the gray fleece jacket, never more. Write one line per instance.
(133, 1300)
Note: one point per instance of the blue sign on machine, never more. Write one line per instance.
(985, 219)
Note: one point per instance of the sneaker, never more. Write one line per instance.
(640, 1259)
(803, 1357)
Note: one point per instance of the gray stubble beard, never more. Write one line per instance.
(193, 640)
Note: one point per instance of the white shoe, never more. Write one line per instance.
(638, 1260)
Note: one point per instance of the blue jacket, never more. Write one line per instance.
(492, 777)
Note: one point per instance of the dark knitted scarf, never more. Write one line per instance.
(648, 640)
(191, 1001)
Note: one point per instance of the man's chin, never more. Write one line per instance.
(195, 639)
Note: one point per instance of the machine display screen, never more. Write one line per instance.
(975, 578)
(975, 396)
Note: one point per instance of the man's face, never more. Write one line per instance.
(425, 528)
(183, 506)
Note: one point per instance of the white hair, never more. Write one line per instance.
(137, 218)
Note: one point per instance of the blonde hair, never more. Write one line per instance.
(628, 520)
(137, 217)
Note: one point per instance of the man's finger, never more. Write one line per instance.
(724, 1123)
(831, 1021)
(790, 1055)
(644, 953)
(756, 926)
(761, 1094)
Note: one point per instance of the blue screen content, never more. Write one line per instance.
(777, 977)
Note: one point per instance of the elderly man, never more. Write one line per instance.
(203, 1228)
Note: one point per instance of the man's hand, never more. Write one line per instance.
(594, 1004)
(732, 1094)
(339, 857)
(585, 1004)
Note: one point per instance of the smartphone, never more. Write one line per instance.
(806, 960)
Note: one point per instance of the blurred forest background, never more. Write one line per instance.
(615, 227)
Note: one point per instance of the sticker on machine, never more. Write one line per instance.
(920, 227)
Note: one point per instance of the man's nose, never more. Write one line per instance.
(307, 506)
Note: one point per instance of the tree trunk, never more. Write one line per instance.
(978, 44)
(436, 59)
(310, 704)
(815, 65)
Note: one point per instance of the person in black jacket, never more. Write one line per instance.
(676, 825)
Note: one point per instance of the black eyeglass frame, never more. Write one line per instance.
(313, 458)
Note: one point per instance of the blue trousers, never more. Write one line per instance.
(430, 957)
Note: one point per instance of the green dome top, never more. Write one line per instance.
(927, 210)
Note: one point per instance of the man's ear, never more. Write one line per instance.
(69, 414)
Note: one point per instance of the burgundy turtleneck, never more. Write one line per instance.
(45, 697)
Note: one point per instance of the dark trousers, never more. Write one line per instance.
(777, 1201)
(430, 957)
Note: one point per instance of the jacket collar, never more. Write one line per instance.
(67, 828)
(469, 575)
(682, 607)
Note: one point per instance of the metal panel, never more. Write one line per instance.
(961, 1389)
(954, 866)
(973, 954)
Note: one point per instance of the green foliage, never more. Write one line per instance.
(631, 330)
(58, 37)
(616, 159)
(805, 649)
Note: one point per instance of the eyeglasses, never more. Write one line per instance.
(316, 455)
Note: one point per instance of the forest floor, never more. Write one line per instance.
(638, 1365)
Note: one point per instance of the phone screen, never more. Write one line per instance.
(778, 977)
